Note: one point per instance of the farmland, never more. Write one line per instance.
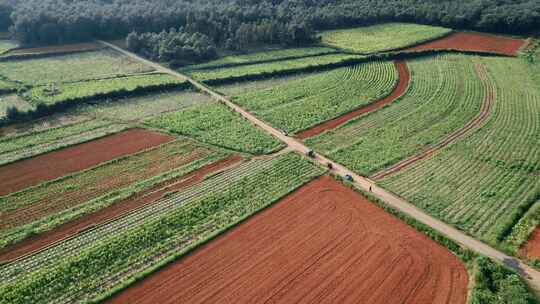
(303, 103)
(6, 45)
(215, 124)
(445, 93)
(7, 101)
(382, 37)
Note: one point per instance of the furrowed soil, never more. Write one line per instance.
(30, 172)
(531, 249)
(324, 243)
(475, 42)
(116, 210)
(399, 90)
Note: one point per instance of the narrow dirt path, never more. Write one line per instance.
(473, 124)
(404, 77)
(531, 275)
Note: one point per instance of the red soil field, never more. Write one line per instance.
(531, 249)
(118, 209)
(324, 243)
(399, 90)
(29, 172)
(475, 42)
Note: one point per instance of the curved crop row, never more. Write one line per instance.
(185, 220)
(444, 94)
(483, 183)
(301, 104)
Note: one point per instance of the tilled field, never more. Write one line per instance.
(324, 243)
(531, 249)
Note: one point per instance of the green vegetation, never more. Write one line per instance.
(382, 37)
(301, 104)
(136, 108)
(261, 56)
(76, 91)
(485, 182)
(445, 93)
(56, 202)
(6, 45)
(241, 87)
(70, 68)
(215, 124)
(254, 71)
(519, 233)
(193, 217)
(12, 101)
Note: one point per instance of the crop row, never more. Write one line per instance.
(216, 124)
(303, 103)
(53, 203)
(188, 221)
(484, 183)
(93, 89)
(445, 93)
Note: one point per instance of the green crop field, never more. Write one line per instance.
(75, 91)
(301, 104)
(484, 182)
(6, 45)
(70, 68)
(53, 203)
(7, 101)
(382, 37)
(269, 55)
(241, 87)
(169, 229)
(445, 93)
(137, 108)
(262, 69)
(216, 124)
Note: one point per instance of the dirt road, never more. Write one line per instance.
(529, 274)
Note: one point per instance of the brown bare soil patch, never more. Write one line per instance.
(399, 90)
(29, 172)
(531, 249)
(324, 243)
(76, 47)
(473, 42)
(116, 210)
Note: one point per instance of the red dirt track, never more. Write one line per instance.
(531, 249)
(399, 90)
(147, 197)
(30, 172)
(324, 243)
(474, 42)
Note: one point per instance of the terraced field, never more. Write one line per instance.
(445, 93)
(303, 103)
(215, 124)
(70, 68)
(152, 235)
(382, 37)
(485, 182)
(51, 204)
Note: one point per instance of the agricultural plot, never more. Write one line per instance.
(215, 124)
(70, 68)
(260, 70)
(81, 268)
(30, 172)
(38, 125)
(6, 45)
(66, 48)
(137, 108)
(241, 87)
(331, 246)
(382, 37)
(12, 101)
(51, 204)
(485, 182)
(262, 56)
(445, 93)
(93, 89)
(303, 103)
(7, 86)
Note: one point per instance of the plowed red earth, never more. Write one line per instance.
(29, 172)
(531, 249)
(45, 239)
(474, 42)
(399, 90)
(322, 244)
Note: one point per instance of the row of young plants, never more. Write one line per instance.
(116, 262)
(486, 181)
(444, 94)
(216, 124)
(303, 103)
